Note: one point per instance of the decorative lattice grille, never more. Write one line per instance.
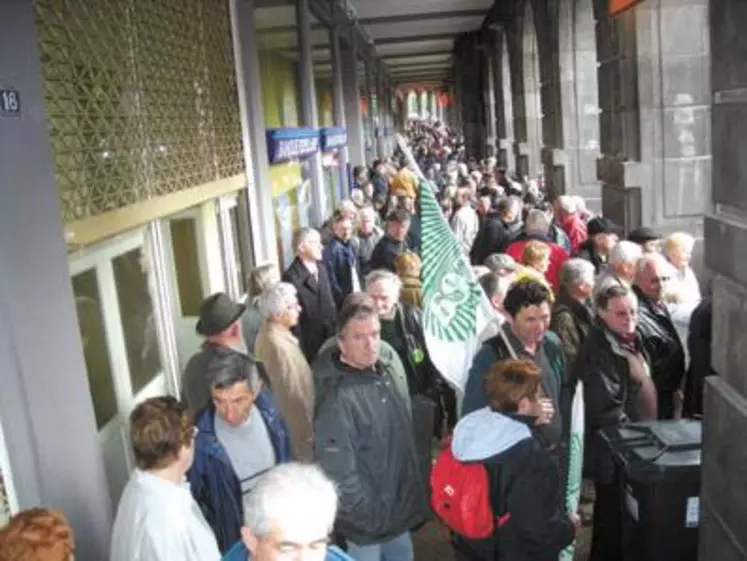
(141, 98)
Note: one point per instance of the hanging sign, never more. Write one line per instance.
(291, 144)
(617, 6)
(333, 138)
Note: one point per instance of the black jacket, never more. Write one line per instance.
(489, 237)
(699, 346)
(587, 251)
(525, 483)
(318, 321)
(421, 374)
(364, 442)
(385, 253)
(571, 321)
(662, 344)
(612, 397)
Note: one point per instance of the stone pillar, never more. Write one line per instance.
(338, 104)
(258, 195)
(723, 533)
(310, 108)
(577, 152)
(353, 117)
(654, 97)
(503, 103)
(45, 400)
(471, 93)
(489, 93)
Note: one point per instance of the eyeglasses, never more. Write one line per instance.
(660, 280)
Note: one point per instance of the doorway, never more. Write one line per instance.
(118, 316)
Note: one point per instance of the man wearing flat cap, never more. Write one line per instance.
(647, 238)
(220, 324)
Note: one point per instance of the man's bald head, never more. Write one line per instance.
(653, 273)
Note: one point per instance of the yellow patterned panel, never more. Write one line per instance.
(141, 99)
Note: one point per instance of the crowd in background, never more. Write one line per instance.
(313, 408)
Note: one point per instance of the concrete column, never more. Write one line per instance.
(45, 400)
(490, 112)
(723, 533)
(338, 99)
(353, 117)
(655, 96)
(380, 112)
(575, 147)
(259, 197)
(309, 107)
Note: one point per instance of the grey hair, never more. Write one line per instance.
(226, 368)
(274, 301)
(567, 204)
(625, 252)
(383, 275)
(259, 278)
(367, 211)
(301, 236)
(537, 222)
(576, 271)
(293, 491)
(609, 292)
(652, 258)
(347, 206)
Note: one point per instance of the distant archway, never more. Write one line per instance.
(532, 94)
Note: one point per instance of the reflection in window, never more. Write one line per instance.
(187, 264)
(237, 245)
(95, 348)
(137, 316)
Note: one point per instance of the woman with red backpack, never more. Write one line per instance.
(497, 487)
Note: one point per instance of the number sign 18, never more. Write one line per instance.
(10, 102)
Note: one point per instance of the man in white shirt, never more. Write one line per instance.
(157, 519)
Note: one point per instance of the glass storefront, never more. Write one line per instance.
(290, 182)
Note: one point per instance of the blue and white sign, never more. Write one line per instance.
(291, 144)
(333, 138)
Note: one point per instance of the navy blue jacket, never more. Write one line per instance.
(340, 261)
(212, 479)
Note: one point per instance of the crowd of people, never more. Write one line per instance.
(311, 413)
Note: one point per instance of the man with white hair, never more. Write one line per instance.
(495, 288)
(572, 313)
(659, 334)
(465, 223)
(290, 513)
(366, 239)
(622, 263)
(536, 227)
(310, 277)
(567, 216)
(286, 366)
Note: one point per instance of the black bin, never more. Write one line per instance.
(658, 475)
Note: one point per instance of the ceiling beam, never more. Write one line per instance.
(422, 17)
(434, 64)
(416, 38)
(415, 55)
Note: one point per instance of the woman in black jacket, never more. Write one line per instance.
(525, 483)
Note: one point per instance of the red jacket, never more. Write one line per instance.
(575, 227)
(558, 257)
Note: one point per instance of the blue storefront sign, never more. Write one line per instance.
(333, 138)
(288, 144)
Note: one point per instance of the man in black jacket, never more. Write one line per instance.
(308, 275)
(364, 442)
(394, 241)
(499, 229)
(699, 347)
(603, 235)
(526, 488)
(660, 337)
(618, 389)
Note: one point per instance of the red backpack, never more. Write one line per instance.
(460, 496)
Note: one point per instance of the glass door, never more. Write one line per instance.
(120, 328)
(232, 244)
(8, 502)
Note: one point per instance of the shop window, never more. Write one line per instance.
(137, 314)
(187, 265)
(95, 347)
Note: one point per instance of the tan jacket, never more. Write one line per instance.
(292, 385)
